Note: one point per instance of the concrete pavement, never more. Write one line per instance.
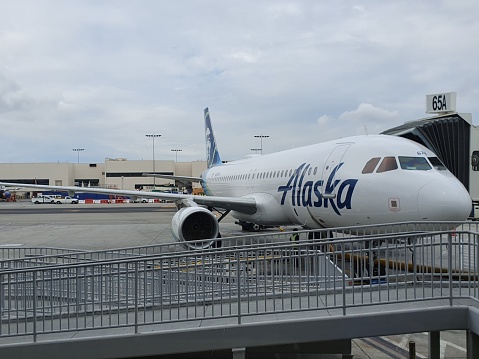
(108, 226)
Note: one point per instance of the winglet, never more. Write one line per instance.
(212, 154)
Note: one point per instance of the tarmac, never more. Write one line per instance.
(110, 226)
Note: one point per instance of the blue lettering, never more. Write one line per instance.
(309, 193)
(330, 187)
(285, 190)
(346, 202)
(300, 185)
(318, 194)
(306, 194)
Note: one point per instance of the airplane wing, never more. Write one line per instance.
(240, 204)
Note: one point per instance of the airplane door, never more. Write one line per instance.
(303, 213)
(328, 177)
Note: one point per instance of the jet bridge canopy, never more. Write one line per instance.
(449, 136)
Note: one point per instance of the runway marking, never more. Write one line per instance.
(403, 345)
(445, 344)
(404, 341)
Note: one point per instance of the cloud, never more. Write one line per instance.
(302, 72)
(367, 113)
(365, 119)
(325, 120)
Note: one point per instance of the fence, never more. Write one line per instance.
(12, 257)
(248, 278)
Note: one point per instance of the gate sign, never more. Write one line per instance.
(441, 103)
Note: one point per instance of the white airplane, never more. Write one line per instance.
(359, 180)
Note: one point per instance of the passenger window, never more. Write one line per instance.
(388, 164)
(437, 164)
(414, 163)
(371, 165)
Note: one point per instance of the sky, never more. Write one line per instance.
(101, 75)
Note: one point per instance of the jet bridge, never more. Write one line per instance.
(455, 140)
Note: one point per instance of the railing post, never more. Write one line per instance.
(34, 295)
(238, 284)
(343, 261)
(412, 350)
(472, 342)
(136, 297)
(2, 300)
(434, 344)
(412, 243)
(476, 261)
(449, 263)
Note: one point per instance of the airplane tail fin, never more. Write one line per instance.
(212, 154)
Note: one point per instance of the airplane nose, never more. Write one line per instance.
(444, 200)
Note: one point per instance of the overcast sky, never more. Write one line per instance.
(100, 75)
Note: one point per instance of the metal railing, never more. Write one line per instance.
(248, 277)
(14, 257)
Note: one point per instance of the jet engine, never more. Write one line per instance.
(192, 224)
(4, 195)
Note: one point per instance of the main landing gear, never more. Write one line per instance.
(251, 227)
(223, 214)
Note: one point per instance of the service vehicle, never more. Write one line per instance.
(43, 199)
(67, 200)
(139, 200)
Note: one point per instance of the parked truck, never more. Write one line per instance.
(43, 199)
(67, 200)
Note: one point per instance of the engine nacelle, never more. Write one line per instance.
(192, 224)
(4, 194)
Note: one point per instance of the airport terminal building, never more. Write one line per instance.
(118, 173)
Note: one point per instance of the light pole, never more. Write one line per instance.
(261, 137)
(176, 154)
(152, 136)
(78, 150)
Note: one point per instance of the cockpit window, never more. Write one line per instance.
(371, 165)
(388, 164)
(414, 163)
(437, 164)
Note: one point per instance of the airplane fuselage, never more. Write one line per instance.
(355, 181)
(362, 180)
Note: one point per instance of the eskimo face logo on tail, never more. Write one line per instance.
(209, 146)
(213, 157)
(309, 193)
